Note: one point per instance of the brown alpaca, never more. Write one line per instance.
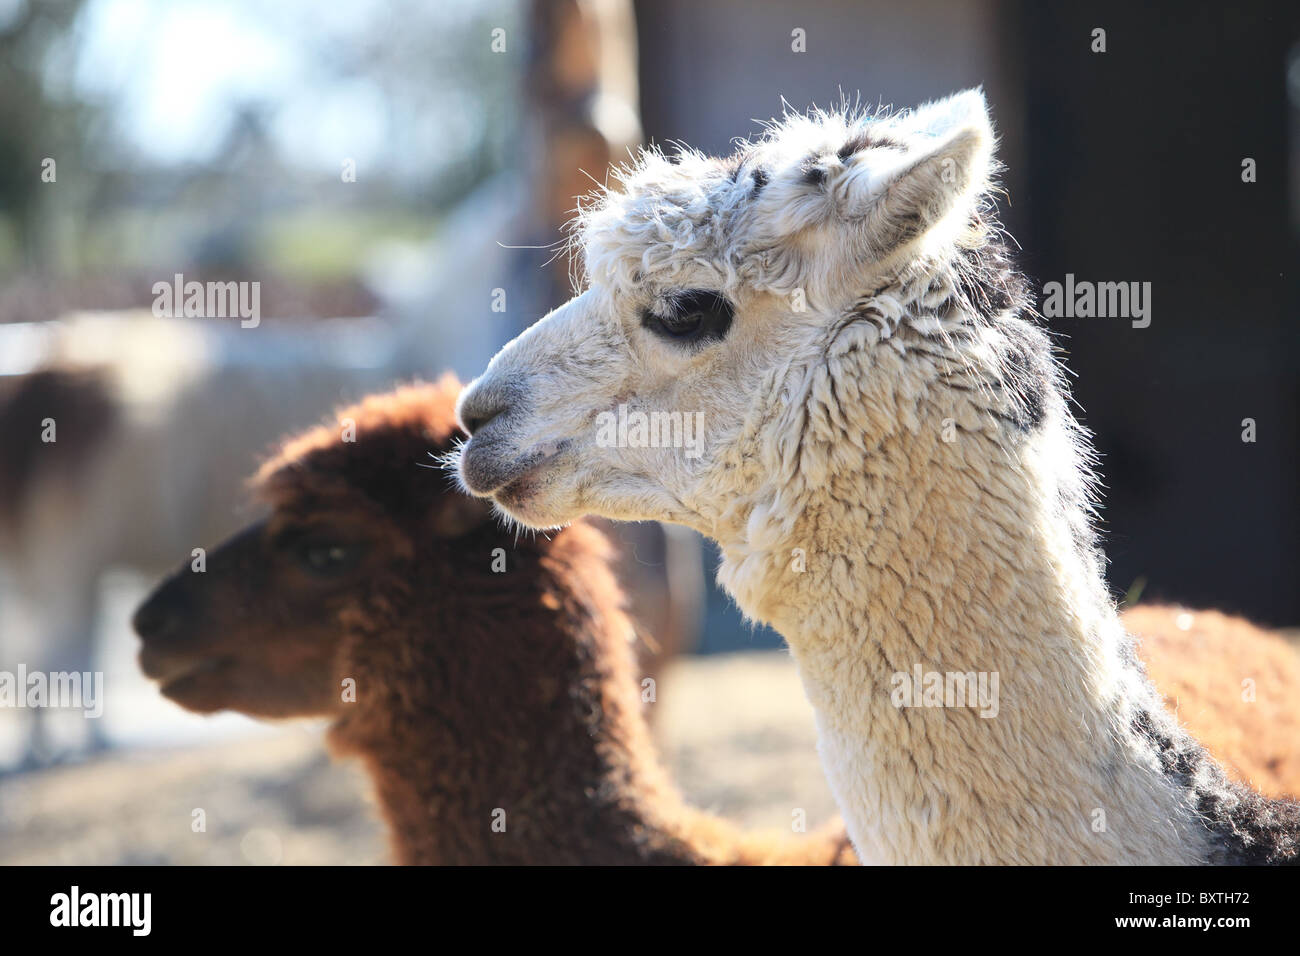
(1198, 661)
(497, 712)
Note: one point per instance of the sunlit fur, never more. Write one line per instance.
(894, 477)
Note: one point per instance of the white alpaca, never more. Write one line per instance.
(893, 476)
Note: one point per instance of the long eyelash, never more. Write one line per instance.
(694, 299)
(715, 310)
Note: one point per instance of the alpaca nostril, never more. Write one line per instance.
(488, 399)
(150, 622)
(474, 423)
(158, 617)
(475, 415)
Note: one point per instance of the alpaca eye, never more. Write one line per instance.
(328, 558)
(698, 315)
(686, 324)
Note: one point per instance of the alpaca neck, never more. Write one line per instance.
(545, 761)
(619, 815)
(441, 811)
(1044, 768)
(447, 802)
(965, 557)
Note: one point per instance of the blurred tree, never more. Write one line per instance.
(38, 120)
(581, 89)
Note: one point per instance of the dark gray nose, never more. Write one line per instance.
(480, 405)
(163, 615)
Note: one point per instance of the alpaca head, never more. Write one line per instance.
(262, 628)
(732, 303)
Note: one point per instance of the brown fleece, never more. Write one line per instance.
(497, 713)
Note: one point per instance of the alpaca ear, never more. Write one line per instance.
(944, 164)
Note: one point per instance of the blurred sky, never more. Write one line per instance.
(211, 134)
(177, 73)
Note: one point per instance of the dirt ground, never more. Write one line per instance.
(735, 730)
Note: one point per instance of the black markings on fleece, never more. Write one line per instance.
(1246, 828)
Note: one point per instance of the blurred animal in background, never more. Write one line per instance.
(124, 442)
(48, 607)
(486, 679)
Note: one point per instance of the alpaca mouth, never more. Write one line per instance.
(174, 675)
(486, 472)
(184, 685)
(517, 493)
